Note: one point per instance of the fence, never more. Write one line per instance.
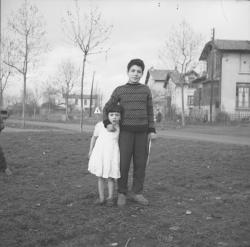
(202, 116)
(239, 116)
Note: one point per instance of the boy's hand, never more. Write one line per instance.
(111, 128)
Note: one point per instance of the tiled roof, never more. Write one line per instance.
(232, 44)
(164, 76)
(159, 74)
(225, 45)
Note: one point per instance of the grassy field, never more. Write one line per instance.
(199, 194)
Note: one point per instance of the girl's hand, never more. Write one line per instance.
(111, 128)
(151, 136)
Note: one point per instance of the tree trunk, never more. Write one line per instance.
(1, 93)
(49, 107)
(25, 69)
(82, 78)
(24, 98)
(67, 107)
(182, 105)
(91, 96)
(34, 112)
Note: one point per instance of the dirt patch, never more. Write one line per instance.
(199, 194)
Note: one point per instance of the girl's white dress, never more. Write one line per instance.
(105, 157)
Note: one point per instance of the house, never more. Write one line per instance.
(166, 89)
(225, 86)
(57, 103)
(156, 79)
(74, 100)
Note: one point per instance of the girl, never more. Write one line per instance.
(104, 154)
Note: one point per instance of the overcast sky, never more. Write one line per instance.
(140, 28)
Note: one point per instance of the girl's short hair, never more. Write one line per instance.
(137, 62)
(115, 108)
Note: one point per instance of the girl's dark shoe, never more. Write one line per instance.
(99, 202)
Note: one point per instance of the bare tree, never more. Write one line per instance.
(66, 80)
(181, 50)
(50, 94)
(88, 33)
(33, 97)
(27, 32)
(11, 99)
(5, 70)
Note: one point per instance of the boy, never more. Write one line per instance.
(136, 127)
(3, 165)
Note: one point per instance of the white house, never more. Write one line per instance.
(166, 89)
(226, 86)
(75, 100)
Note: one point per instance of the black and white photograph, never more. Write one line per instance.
(124, 123)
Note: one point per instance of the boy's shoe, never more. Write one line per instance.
(110, 202)
(139, 198)
(121, 201)
(99, 202)
(8, 172)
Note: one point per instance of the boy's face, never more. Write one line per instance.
(114, 117)
(134, 74)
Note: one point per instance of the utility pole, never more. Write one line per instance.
(212, 78)
(91, 95)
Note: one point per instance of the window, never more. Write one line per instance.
(85, 102)
(245, 63)
(243, 95)
(190, 100)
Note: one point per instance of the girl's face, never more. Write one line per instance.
(135, 74)
(114, 117)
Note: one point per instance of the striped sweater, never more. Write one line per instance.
(136, 100)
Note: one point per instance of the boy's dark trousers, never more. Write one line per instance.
(3, 164)
(132, 144)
